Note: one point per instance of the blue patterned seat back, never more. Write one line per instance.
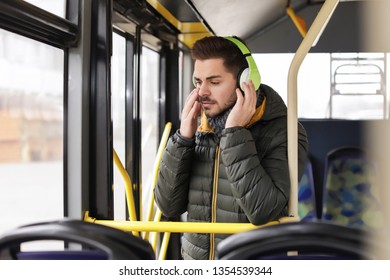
(350, 196)
(306, 195)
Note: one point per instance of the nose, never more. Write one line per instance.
(203, 90)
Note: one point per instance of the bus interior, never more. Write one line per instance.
(90, 91)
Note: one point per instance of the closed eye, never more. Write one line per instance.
(197, 82)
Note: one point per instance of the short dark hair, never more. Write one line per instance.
(219, 47)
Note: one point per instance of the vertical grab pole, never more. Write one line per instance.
(156, 167)
(310, 40)
(128, 188)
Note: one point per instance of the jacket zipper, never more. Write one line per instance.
(214, 201)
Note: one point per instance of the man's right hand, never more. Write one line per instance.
(189, 115)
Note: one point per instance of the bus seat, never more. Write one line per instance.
(350, 189)
(307, 239)
(98, 242)
(306, 194)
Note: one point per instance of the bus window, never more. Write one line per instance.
(56, 7)
(31, 131)
(149, 116)
(358, 86)
(118, 103)
(320, 96)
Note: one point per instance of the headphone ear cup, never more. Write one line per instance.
(252, 72)
(243, 76)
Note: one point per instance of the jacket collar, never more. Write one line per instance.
(205, 126)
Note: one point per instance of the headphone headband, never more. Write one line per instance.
(254, 73)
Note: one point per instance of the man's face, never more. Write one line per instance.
(216, 86)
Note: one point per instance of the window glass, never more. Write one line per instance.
(56, 7)
(358, 86)
(118, 102)
(31, 131)
(327, 90)
(149, 116)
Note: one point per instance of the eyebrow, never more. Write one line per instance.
(210, 77)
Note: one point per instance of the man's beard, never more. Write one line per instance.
(218, 120)
(227, 106)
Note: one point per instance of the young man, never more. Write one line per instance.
(232, 167)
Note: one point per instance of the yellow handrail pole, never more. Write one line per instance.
(180, 227)
(156, 167)
(164, 246)
(308, 41)
(128, 188)
(299, 23)
(157, 218)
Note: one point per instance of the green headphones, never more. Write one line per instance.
(245, 74)
(251, 72)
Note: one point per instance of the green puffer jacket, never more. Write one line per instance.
(241, 178)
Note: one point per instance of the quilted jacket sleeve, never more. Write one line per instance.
(259, 182)
(171, 191)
